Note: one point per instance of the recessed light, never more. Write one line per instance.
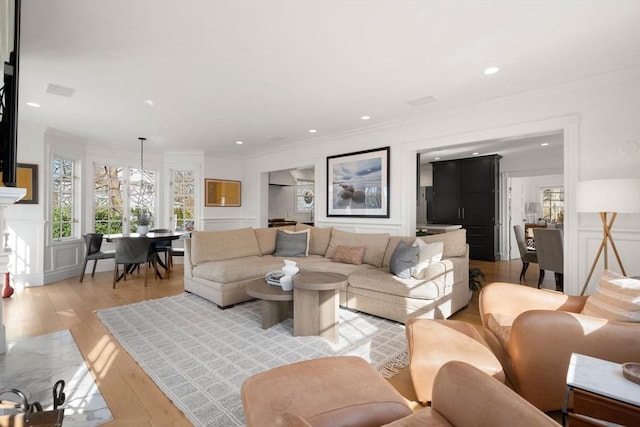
(33, 104)
(148, 102)
(436, 158)
(475, 154)
(239, 142)
(491, 70)
(544, 144)
(365, 118)
(312, 131)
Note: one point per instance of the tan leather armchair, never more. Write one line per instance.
(533, 333)
(462, 396)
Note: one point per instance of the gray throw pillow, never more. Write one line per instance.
(403, 259)
(291, 244)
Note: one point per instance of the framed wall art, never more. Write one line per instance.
(26, 177)
(358, 184)
(221, 192)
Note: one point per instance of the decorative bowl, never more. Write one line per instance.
(631, 371)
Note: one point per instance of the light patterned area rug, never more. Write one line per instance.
(200, 355)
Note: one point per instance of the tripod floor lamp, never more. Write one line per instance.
(607, 196)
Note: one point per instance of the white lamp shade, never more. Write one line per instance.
(608, 195)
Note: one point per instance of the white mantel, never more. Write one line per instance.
(8, 196)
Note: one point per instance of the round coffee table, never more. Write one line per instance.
(276, 304)
(316, 301)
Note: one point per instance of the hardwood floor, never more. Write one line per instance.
(132, 396)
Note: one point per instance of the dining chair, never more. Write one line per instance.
(550, 252)
(527, 256)
(163, 246)
(133, 251)
(93, 242)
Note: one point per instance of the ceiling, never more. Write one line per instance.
(266, 72)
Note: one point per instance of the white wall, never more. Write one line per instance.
(590, 113)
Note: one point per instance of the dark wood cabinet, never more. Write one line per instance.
(466, 191)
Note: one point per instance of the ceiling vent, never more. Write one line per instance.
(60, 90)
(276, 139)
(422, 101)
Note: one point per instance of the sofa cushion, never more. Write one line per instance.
(403, 260)
(379, 280)
(376, 244)
(349, 255)
(292, 243)
(318, 239)
(234, 270)
(455, 242)
(391, 246)
(266, 239)
(221, 245)
(429, 253)
(617, 298)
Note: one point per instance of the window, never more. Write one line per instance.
(304, 196)
(108, 205)
(111, 201)
(553, 204)
(183, 192)
(63, 200)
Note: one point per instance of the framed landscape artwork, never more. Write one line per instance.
(358, 184)
(221, 192)
(26, 177)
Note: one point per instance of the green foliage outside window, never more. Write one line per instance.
(61, 222)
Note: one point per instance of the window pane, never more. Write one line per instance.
(183, 199)
(62, 199)
(108, 202)
(553, 204)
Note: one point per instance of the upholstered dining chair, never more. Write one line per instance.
(93, 242)
(163, 246)
(526, 255)
(133, 251)
(550, 252)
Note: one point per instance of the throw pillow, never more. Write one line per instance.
(428, 254)
(349, 254)
(617, 298)
(403, 259)
(292, 243)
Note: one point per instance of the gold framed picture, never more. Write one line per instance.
(222, 193)
(26, 177)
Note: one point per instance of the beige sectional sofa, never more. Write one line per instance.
(218, 266)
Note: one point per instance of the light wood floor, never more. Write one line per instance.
(132, 396)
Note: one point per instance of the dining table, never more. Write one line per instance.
(154, 236)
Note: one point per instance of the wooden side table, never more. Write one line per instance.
(601, 394)
(316, 300)
(276, 304)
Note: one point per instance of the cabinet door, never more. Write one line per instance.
(446, 193)
(483, 242)
(478, 208)
(478, 175)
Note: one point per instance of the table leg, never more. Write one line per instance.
(306, 312)
(329, 315)
(274, 312)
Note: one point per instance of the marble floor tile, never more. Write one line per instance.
(34, 364)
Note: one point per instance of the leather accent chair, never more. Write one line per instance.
(93, 242)
(432, 343)
(534, 331)
(462, 396)
(526, 255)
(550, 253)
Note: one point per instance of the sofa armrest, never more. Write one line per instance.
(188, 266)
(541, 343)
(513, 299)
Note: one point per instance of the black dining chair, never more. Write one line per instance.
(527, 255)
(164, 247)
(133, 251)
(93, 242)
